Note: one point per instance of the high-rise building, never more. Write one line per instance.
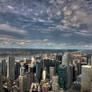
(23, 80)
(79, 67)
(66, 59)
(31, 71)
(69, 76)
(55, 85)
(22, 71)
(62, 73)
(44, 74)
(91, 60)
(4, 67)
(38, 70)
(11, 68)
(0, 67)
(86, 78)
(23, 83)
(52, 72)
(17, 69)
(28, 80)
(1, 89)
(59, 57)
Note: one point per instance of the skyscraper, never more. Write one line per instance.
(23, 83)
(44, 73)
(55, 85)
(11, 68)
(66, 59)
(1, 90)
(17, 69)
(28, 80)
(52, 72)
(86, 78)
(0, 67)
(22, 70)
(4, 67)
(38, 70)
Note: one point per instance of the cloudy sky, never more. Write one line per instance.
(46, 24)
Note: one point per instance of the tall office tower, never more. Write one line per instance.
(55, 85)
(86, 78)
(0, 83)
(38, 70)
(88, 59)
(0, 67)
(11, 68)
(59, 57)
(28, 80)
(23, 83)
(47, 63)
(44, 74)
(31, 71)
(62, 73)
(17, 69)
(74, 74)
(4, 67)
(69, 76)
(79, 67)
(52, 72)
(66, 59)
(22, 71)
(91, 60)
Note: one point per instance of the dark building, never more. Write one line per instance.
(17, 69)
(4, 67)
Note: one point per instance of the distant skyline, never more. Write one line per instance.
(51, 24)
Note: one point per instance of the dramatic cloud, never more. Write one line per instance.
(9, 28)
(46, 23)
